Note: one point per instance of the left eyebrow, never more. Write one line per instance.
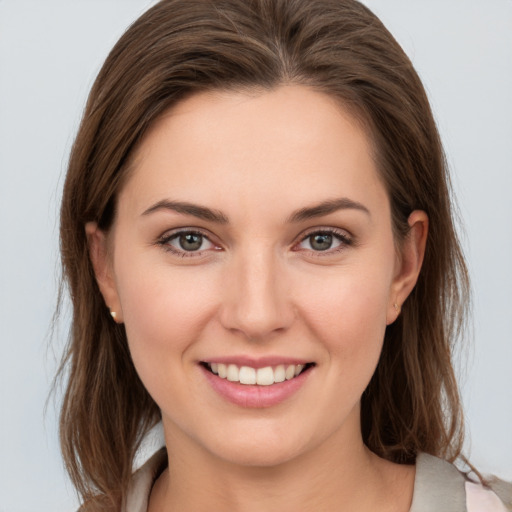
(327, 207)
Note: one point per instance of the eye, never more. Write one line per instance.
(186, 243)
(324, 241)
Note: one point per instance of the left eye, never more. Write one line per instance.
(188, 241)
(323, 241)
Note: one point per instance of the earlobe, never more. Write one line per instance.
(409, 263)
(101, 262)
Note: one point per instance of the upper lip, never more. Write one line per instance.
(259, 362)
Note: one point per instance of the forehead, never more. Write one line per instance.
(289, 144)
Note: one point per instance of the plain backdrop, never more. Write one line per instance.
(50, 52)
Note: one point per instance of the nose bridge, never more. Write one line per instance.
(257, 303)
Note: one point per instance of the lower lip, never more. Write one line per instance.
(250, 396)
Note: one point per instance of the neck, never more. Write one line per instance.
(349, 476)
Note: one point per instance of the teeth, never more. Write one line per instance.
(223, 371)
(261, 376)
(233, 374)
(265, 376)
(247, 375)
(280, 374)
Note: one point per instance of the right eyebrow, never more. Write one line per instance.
(201, 212)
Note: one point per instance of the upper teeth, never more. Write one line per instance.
(261, 376)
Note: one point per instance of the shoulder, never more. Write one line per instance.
(480, 498)
(142, 482)
(439, 485)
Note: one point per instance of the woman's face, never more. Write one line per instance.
(254, 238)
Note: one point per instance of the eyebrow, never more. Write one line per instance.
(208, 214)
(185, 208)
(327, 207)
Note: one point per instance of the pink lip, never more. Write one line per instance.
(260, 362)
(249, 396)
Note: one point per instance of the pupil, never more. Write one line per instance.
(191, 241)
(321, 242)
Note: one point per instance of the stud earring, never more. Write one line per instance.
(113, 314)
(397, 307)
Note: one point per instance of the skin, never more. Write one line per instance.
(258, 286)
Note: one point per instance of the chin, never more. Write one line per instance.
(261, 456)
(266, 446)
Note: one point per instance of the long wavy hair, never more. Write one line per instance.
(178, 48)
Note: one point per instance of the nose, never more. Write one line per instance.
(256, 297)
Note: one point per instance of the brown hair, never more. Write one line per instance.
(339, 47)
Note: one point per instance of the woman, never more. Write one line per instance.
(257, 234)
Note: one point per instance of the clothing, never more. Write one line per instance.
(142, 482)
(438, 487)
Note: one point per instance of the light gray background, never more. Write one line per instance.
(50, 52)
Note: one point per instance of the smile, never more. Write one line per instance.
(257, 384)
(248, 375)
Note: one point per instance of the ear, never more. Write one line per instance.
(408, 263)
(102, 265)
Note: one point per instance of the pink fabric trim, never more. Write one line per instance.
(480, 499)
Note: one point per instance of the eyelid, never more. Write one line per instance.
(164, 239)
(346, 240)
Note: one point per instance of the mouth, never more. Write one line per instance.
(266, 376)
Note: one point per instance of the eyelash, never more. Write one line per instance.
(342, 237)
(165, 240)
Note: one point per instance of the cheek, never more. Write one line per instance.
(165, 312)
(348, 314)
(347, 302)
